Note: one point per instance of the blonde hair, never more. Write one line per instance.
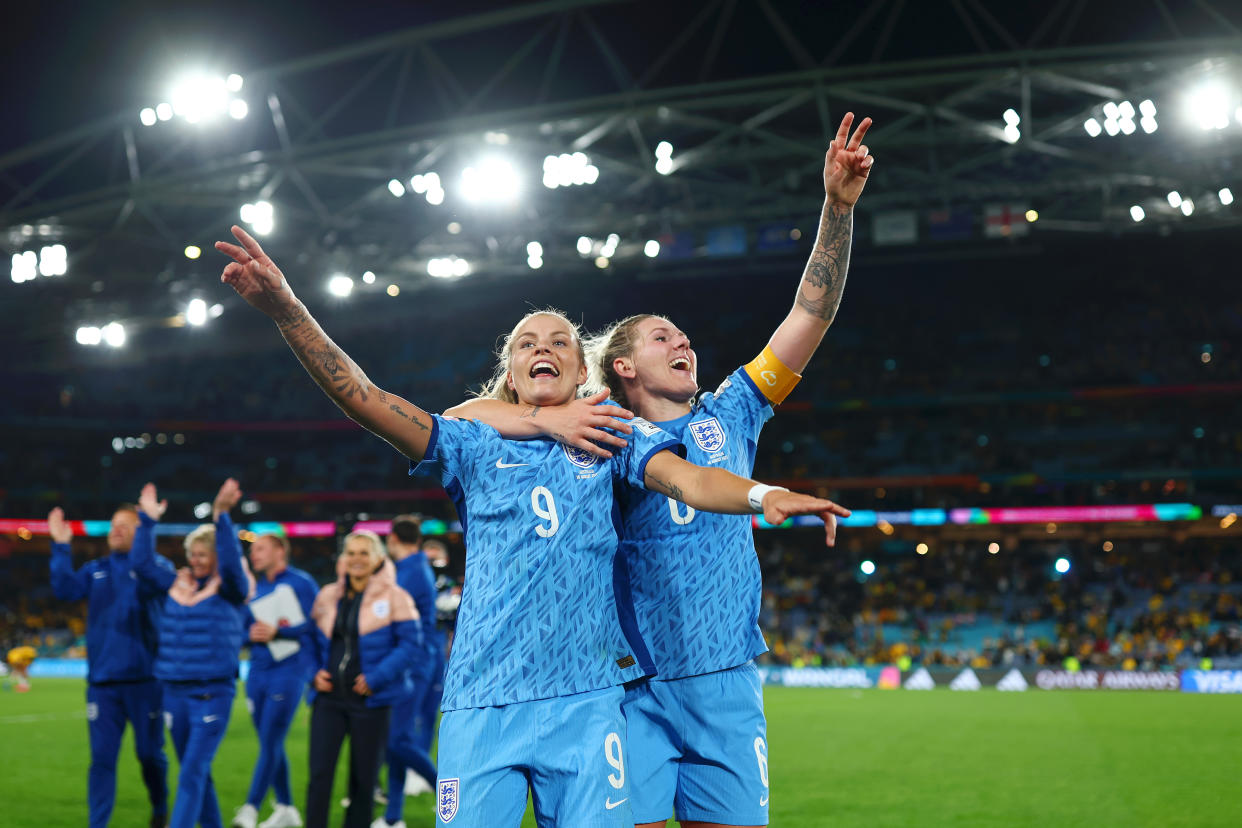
(375, 547)
(201, 534)
(619, 340)
(497, 388)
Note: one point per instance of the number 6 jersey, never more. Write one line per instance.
(546, 608)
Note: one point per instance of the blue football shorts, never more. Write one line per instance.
(570, 751)
(699, 746)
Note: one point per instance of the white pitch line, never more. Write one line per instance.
(41, 717)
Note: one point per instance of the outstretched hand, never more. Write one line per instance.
(847, 163)
(581, 423)
(150, 504)
(779, 505)
(57, 527)
(226, 498)
(254, 275)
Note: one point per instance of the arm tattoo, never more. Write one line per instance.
(403, 414)
(668, 488)
(334, 372)
(530, 413)
(823, 282)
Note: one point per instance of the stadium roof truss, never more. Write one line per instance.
(746, 95)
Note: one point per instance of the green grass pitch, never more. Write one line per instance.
(838, 757)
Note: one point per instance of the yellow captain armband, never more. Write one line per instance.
(771, 376)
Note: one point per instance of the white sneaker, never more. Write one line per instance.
(246, 817)
(382, 823)
(283, 816)
(415, 785)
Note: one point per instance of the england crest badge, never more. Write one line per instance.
(446, 799)
(579, 457)
(708, 434)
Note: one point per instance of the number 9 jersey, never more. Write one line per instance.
(546, 608)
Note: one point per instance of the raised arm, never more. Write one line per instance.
(579, 423)
(713, 489)
(142, 557)
(235, 584)
(67, 584)
(846, 167)
(258, 280)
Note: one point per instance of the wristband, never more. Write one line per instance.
(756, 493)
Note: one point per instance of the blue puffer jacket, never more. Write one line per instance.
(122, 617)
(201, 623)
(390, 639)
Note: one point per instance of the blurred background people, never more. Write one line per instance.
(282, 660)
(200, 635)
(369, 642)
(120, 655)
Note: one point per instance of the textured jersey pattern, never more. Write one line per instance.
(695, 575)
(541, 614)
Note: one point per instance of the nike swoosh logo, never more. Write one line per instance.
(763, 800)
(501, 465)
(609, 804)
(100, 575)
(210, 719)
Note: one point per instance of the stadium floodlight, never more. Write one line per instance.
(396, 188)
(922, 549)
(435, 196)
(233, 83)
(368, 277)
(200, 97)
(1011, 134)
(1147, 109)
(460, 267)
(1226, 196)
(147, 116)
(88, 335)
(493, 181)
(1111, 110)
(454, 228)
(25, 266)
(602, 262)
(664, 166)
(1149, 125)
(534, 249)
(664, 150)
(1207, 105)
(568, 169)
(584, 246)
(1111, 127)
(534, 262)
(1093, 128)
(498, 138)
(216, 310)
(993, 548)
(259, 216)
(446, 268)
(1137, 213)
(393, 290)
(1127, 126)
(1062, 565)
(113, 334)
(1188, 207)
(867, 567)
(196, 312)
(1126, 109)
(340, 285)
(238, 109)
(164, 111)
(53, 260)
(192, 251)
(1032, 216)
(651, 249)
(1011, 117)
(610, 246)
(1175, 199)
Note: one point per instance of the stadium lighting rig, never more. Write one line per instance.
(651, 249)
(568, 169)
(259, 216)
(1011, 132)
(534, 255)
(1119, 119)
(1210, 104)
(664, 158)
(112, 334)
(492, 180)
(340, 285)
(199, 98)
(447, 268)
(425, 184)
(51, 260)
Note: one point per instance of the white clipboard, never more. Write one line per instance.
(281, 604)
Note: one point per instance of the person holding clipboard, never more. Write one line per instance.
(281, 663)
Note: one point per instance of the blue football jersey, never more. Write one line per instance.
(695, 575)
(545, 608)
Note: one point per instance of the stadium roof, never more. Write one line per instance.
(975, 104)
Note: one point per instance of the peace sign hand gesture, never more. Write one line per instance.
(847, 163)
(254, 275)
